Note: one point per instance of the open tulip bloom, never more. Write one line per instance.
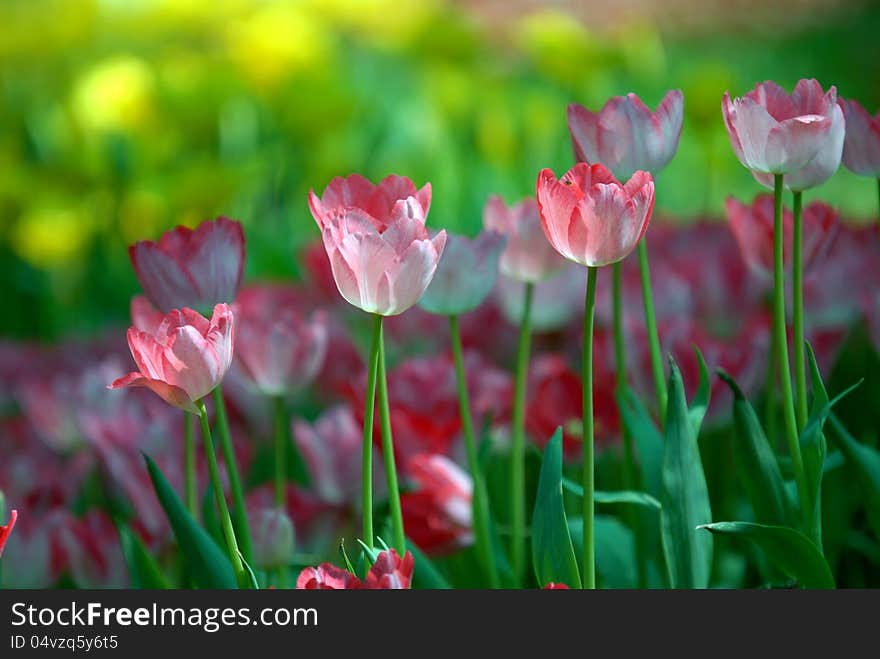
(591, 218)
(382, 259)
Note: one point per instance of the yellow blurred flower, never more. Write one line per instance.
(115, 95)
(388, 24)
(50, 236)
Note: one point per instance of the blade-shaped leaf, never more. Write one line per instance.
(649, 441)
(425, 574)
(700, 402)
(616, 564)
(866, 461)
(788, 549)
(685, 497)
(756, 464)
(206, 563)
(619, 496)
(552, 550)
(143, 572)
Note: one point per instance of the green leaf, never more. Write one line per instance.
(552, 550)
(685, 497)
(206, 563)
(700, 402)
(616, 564)
(649, 441)
(619, 496)
(756, 464)
(788, 549)
(143, 571)
(425, 573)
(252, 578)
(866, 461)
(346, 562)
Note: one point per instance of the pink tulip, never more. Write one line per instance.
(752, 227)
(375, 237)
(390, 571)
(774, 133)
(527, 256)
(280, 350)
(191, 268)
(6, 531)
(327, 577)
(185, 359)
(625, 135)
(144, 316)
(861, 148)
(589, 217)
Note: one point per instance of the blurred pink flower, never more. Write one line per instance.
(6, 530)
(773, 132)
(625, 135)
(191, 268)
(527, 256)
(752, 227)
(144, 316)
(186, 358)
(437, 511)
(273, 538)
(379, 249)
(861, 148)
(589, 217)
(281, 351)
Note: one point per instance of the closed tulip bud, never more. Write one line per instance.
(273, 538)
(465, 274)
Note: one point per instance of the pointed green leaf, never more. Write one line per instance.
(619, 496)
(788, 549)
(700, 402)
(205, 562)
(552, 550)
(756, 464)
(616, 564)
(866, 461)
(685, 497)
(649, 441)
(143, 572)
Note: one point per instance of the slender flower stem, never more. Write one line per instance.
(281, 439)
(480, 495)
(651, 327)
(217, 484)
(239, 510)
(800, 357)
(518, 440)
(770, 393)
(397, 532)
(791, 433)
(189, 465)
(369, 408)
(587, 388)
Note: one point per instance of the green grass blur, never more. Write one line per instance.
(119, 120)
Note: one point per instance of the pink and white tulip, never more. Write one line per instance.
(861, 148)
(590, 217)
(625, 135)
(185, 359)
(773, 132)
(526, 257)
(191, 268)
(375, 237)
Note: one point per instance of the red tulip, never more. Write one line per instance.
(390, 571)
(5, 531)
(861, 148)
(196, 269)
(437, 512)
(589, 217)
(185, 359)
(752, 227)
(280, 350)
(775, 133)
(379, 249)
(327, 577)
(527, 256)
(625, 135)
(555, 586)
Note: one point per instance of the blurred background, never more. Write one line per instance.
(122, 118)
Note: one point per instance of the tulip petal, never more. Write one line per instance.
(169, 393)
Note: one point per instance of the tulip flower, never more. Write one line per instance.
(555, 586)
(625, 135)
(273, 539)
(465, 274)
(185, 359)
(382, 259)
(861, 148)
(752, 226)
(591, 218)
(144, 316)
(191, 268)
(6, 531)
(773, 132)
(526, 257)
(438, 511)
(390, 571)
(327, 577)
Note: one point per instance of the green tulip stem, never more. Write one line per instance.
(397, 532)
(587, 390)
(369, 409)
(800, 357)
